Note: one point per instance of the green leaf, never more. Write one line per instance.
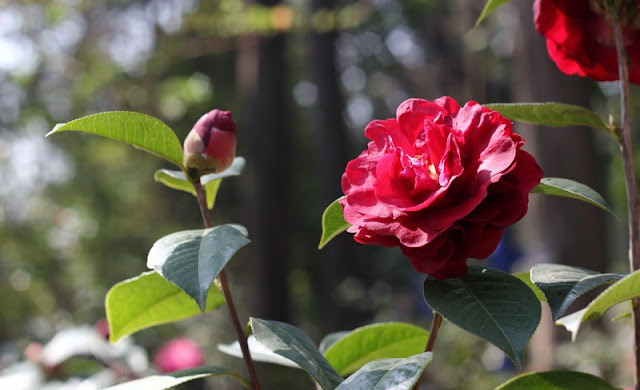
(333, 223)
(192, 259)
(372, 342)
(571, 189)
(489, 303)
(167, 381)
(488, 8)
(292, 343)
(174, 179)
(149, 300)
(178, 180)
(396, 374)
(622, 290)
(549, 114)
(142, 131)
(556, 380)
(526, 278)
(258, 353)
(563, 284)
(331, 339)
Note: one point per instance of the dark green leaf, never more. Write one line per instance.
(622, 290)
(563, 284)
(149, 300)
(192, 259)
(556, 380)
(142, 131)
(571, 189)
(384, 374)
(167, 381)
(488, 8)
(549, 114)
(292, 343)
(526, 278)
(491, 304)
(333, 223)
(373, 342)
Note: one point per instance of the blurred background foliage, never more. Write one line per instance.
(303, 78)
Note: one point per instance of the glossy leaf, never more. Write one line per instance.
(489, 303)
(292, 343)
(526, 278)
(489, 7)
(192, 259)
(149, 300)
(333, 223)
(384, 374)
(622, 290)
(167, 381)
(549, 114)
(556, 380)
(571, 189)
(174, 179)
(258, 353)
(331, 339)
(563, 284)
(177, 180)
(373, 342)
(142, 131)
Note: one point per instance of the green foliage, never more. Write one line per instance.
(292, 343)
(563, 284)
(333, 223)
(491, 304)
(623, 290)
(489, 7)
(550, 114)
(142, 131)
(396, 374)
(372, 342)
(148, 300)
(526, 278)
(167, 381)
(571, 189)
(556, 380)
(192, 259)
(211, 182)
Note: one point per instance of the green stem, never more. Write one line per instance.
(626, 148)
(226, 291)
(431, 341)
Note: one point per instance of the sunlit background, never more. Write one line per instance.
(303, 78)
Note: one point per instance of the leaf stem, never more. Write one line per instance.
(431, 341)
(626, 149)
(226, 291)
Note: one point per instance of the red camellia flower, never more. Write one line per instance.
(439, 181)
(581, 40)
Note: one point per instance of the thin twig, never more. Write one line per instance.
(626, 148)
(226, 291)
(431, 341)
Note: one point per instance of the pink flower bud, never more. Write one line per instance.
(210, 146)
(178, 354)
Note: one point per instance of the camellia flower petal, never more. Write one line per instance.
(581, 39)
(439, 181)
(210, 146)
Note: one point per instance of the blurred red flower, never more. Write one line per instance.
(581, 39)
